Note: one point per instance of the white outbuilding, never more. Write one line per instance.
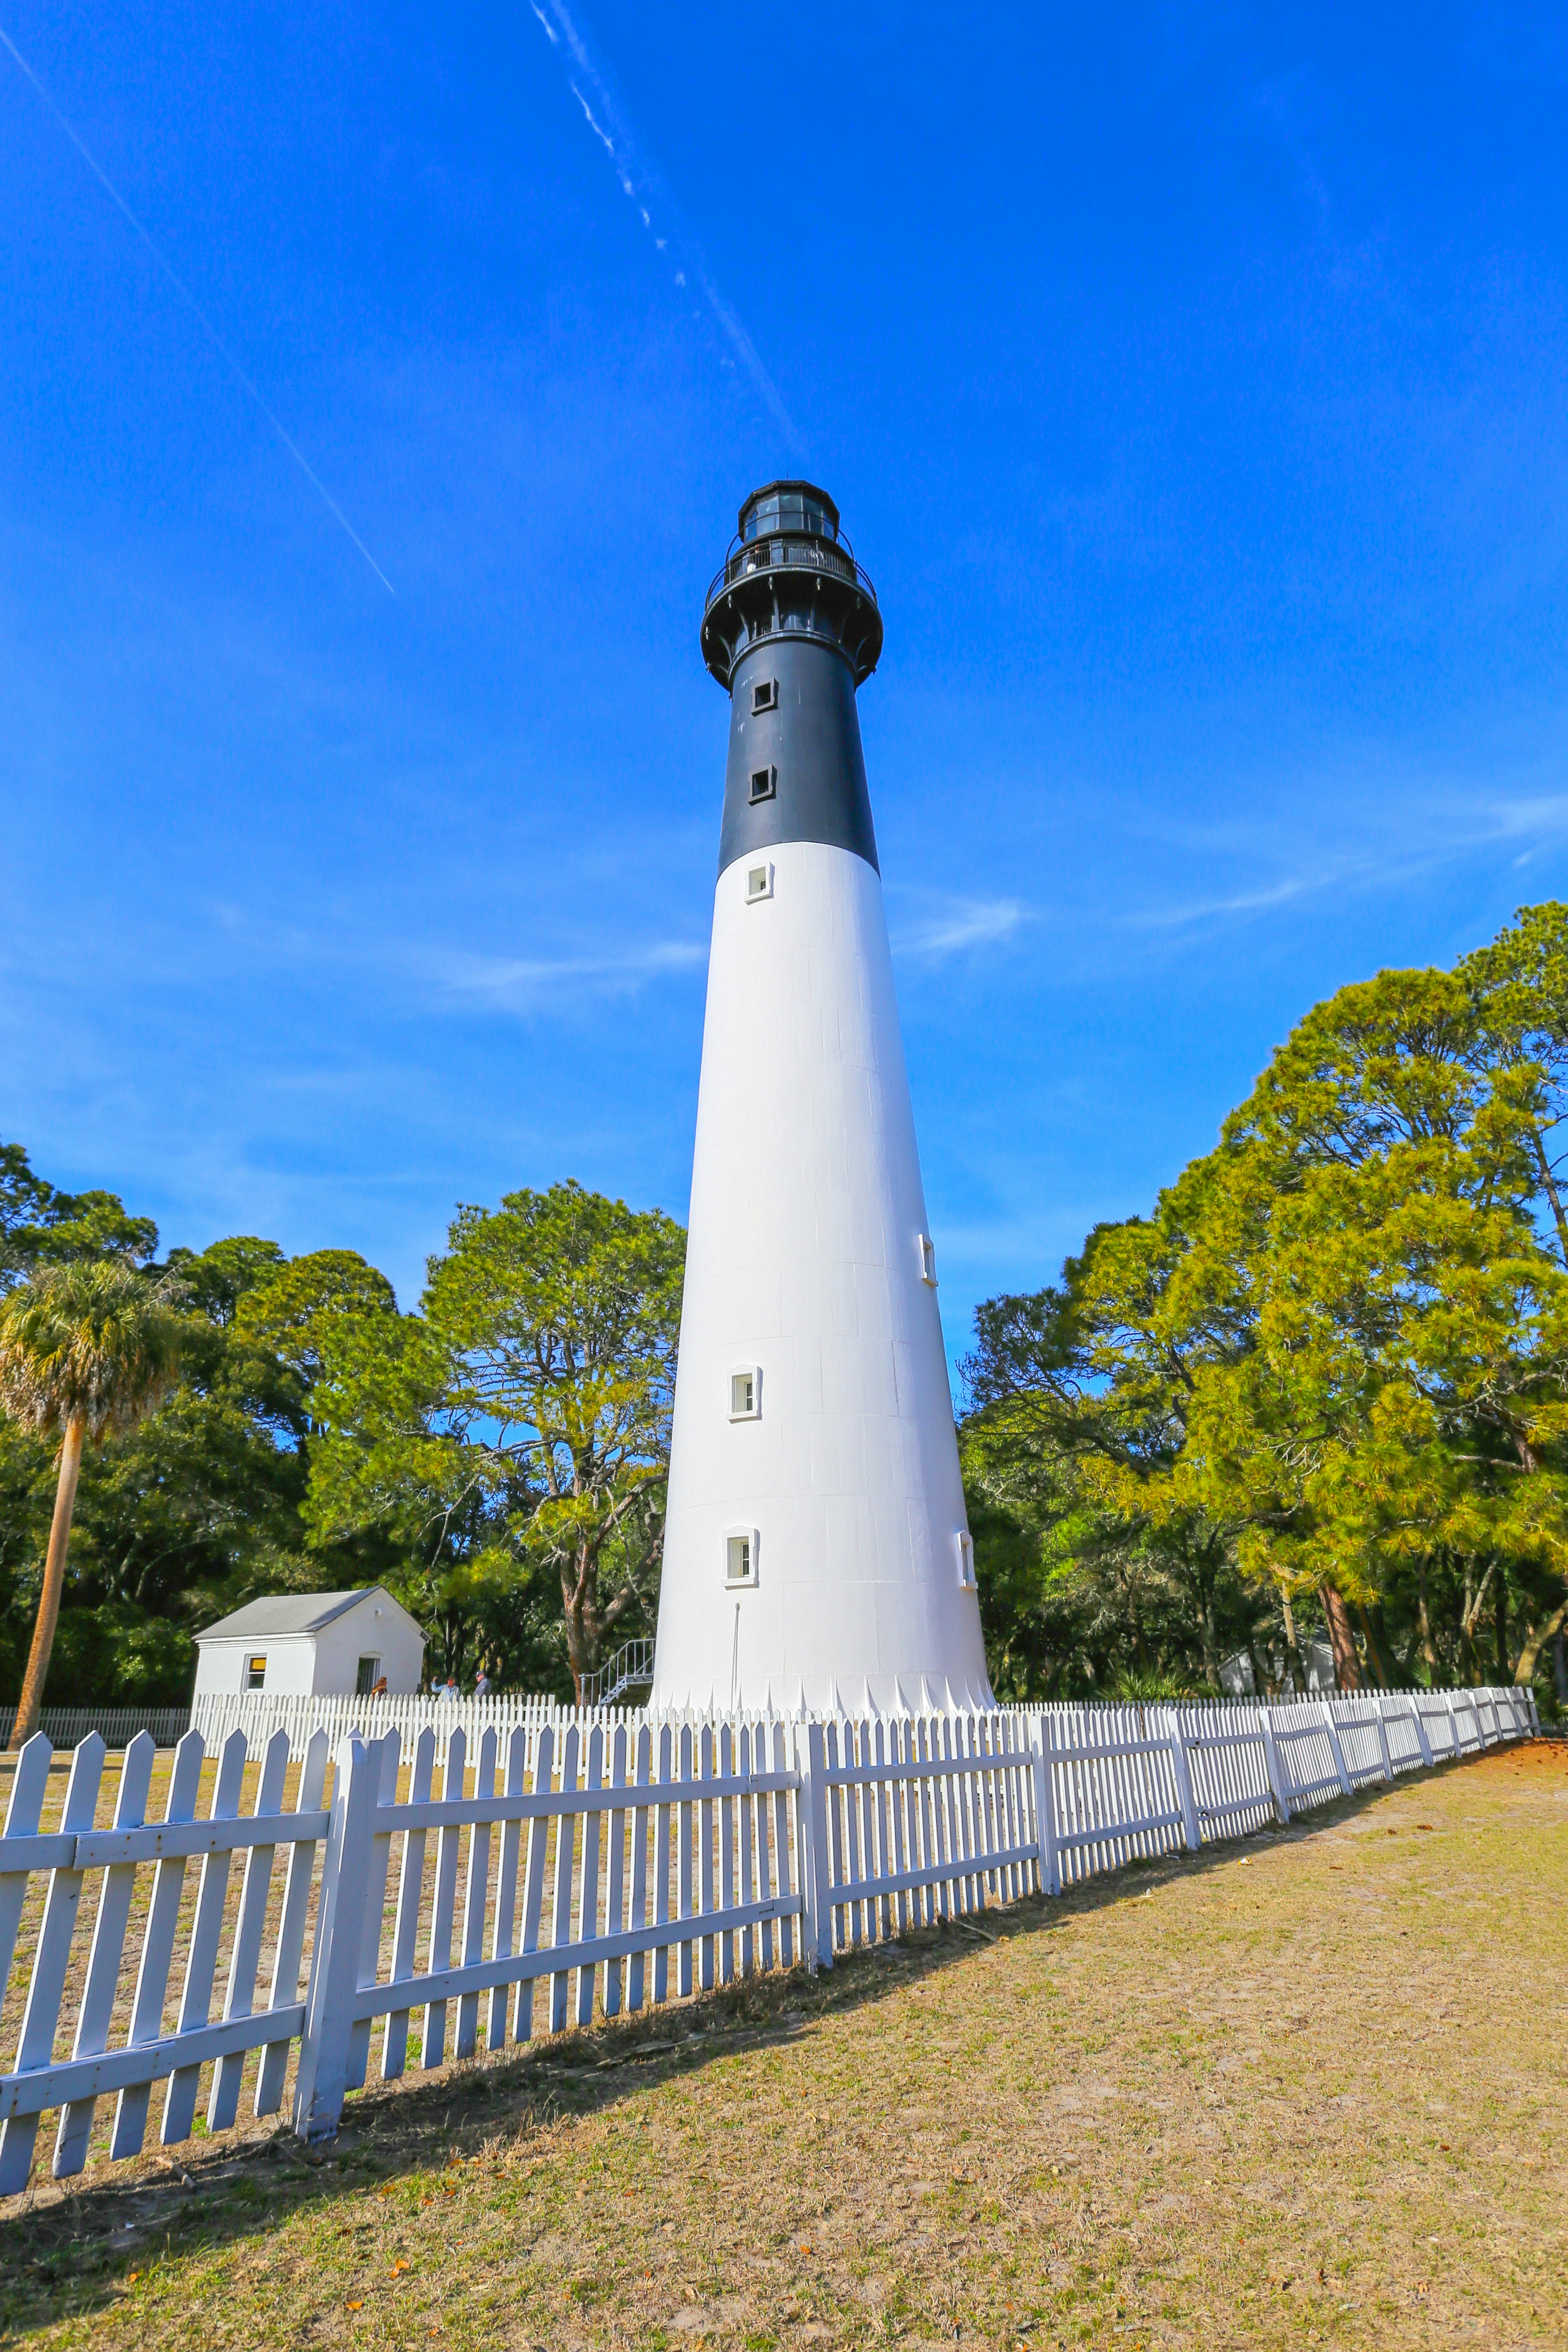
(297, 1643)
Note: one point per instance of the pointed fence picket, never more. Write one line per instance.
(121, 1986)
(579, 1851)
(615, 1890)
(343, 1716)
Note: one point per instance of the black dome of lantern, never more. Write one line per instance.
(790, 573)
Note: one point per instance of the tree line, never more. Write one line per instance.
(1321, 1387)
(1323, 1383)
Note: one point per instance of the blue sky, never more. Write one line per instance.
(1192, 384)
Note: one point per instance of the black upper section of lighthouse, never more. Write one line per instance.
(791, 628)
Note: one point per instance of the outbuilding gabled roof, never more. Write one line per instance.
(292, 1612)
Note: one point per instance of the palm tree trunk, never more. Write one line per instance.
(33, 1681)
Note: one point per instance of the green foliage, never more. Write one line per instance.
(516, 1429)
(497, 1459)
(195, 1510)
(40, 1225)
(1332, 1367)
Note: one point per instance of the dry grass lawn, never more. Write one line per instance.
(1306, 2089)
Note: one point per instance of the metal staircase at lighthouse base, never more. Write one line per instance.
(631, 1667)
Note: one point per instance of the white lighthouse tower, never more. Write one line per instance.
(816, 1549)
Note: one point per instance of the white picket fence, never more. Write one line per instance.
(259, 1713)
(615, 1863)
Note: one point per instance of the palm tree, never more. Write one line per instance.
(86, 1350)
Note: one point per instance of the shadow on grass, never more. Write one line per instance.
(69, 2248)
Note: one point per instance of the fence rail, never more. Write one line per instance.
(580, 1865)
(65, 1726)
(343, 1716)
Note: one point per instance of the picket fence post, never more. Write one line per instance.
(1049, 1861)
(813, 1818)
(1180, 1764)
(1425, 1744)
(1331, 1727)
(52, 1954)
(322, 2078)
(1272, 1757)
(1383, 1741)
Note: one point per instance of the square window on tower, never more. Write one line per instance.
(746, 1393)
(765, 696)
(759, 883)
(741, 1557)
(765, 783)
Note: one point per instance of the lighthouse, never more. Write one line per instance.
(818, 1553)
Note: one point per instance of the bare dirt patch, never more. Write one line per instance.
(1302, 2090)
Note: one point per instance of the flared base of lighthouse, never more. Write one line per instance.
(879, 1696)
(816, 1548)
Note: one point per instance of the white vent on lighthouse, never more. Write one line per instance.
(741, 1558)
(928, 1259)
(759, 883)
(746, 1392)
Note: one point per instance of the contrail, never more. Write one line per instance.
(644, 184)
(211, 332)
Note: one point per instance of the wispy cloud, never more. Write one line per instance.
(519, 984)
(963, 923)
(1439, 836)
(205, 324)
(660, 213)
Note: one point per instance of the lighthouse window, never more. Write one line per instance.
(964, 1543)
(746, 1393)
(765, 695)
(928, 1260)
(759, 883)
(765, 783)
(741, 1557)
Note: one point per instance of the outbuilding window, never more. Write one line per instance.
(366, 1676)
(256, 1672)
